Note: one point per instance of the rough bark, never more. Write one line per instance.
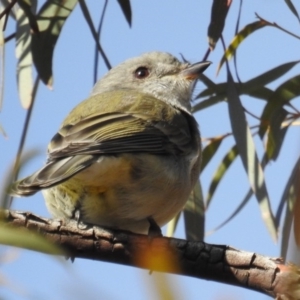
(197, 259)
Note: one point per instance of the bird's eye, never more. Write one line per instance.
(141, 72)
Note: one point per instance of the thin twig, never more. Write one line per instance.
(88, 18)
(96, 47)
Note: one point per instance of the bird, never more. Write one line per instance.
(129, 155)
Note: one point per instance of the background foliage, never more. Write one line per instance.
(248, 114)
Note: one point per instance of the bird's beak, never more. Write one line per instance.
(192, 72)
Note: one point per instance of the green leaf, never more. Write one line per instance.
(23, 238)
(276, 134)
(2, 53)
(238, 39)
(209, 151)
(219, 12)
(50, 19)
(171, 226)
(24, 56)
(288, 197)
(2, 131)
(29, 9)
(126, 9)
(234, 214)
(286, 92)
(194, 215)
(292, 8)
(246, 147)
(223, 167)
(271, 75)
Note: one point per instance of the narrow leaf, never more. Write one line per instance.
(223, 167)
(209, 151)
(238, 39)
(246, 147)
(235, 212)
(126, 9)
(172, 225)
(2, 53)
(23, 238)
(194, 215)
(24, 56)
(292, 8)
(50, 19)
(219, 12)
(289, 198)
(270, 75)
(276, 133)
(286, 92)
(2, 131)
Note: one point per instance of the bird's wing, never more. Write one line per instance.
(146, 125)
(131, 124)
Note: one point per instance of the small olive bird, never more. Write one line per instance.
(130, 154)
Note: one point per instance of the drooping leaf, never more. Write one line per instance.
(24, 54)
(2, 131)
(126, 9)
(246, 147)
(209, 151)
(276, 133)
(286, 92)
(29, 8)
(219, 12)
(2, 53)
(23, 238)
(270, 75)
(288, 198)
(223, 167)
(296, 212)
(238, 39)
(194, 215)
(234, 213)
(50, 19)
(292, 8)
(172, 225)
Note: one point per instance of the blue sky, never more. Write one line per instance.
(178, 27)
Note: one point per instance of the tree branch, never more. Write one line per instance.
(197, 259)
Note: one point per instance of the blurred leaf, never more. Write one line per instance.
(23, 238)
(50, 19)
(29, 8)
(287, 91)
(2, 53)
(209, 151)
(276, 134)
(246, 147)
(238, 39)
(194, 216)
(256, 91)
(219, 12)
(207, 103)
(270, 75)
(2, 131)
(223, 167)
(126, 9)
(288, 197)
(10, 174)
(235, 213)
(292, 8)
(24, 56)
(6, 3)
(296, 194)
(172, 225)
